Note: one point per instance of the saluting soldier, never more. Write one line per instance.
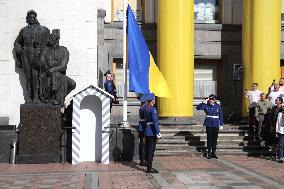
(152, 131)
(141, 130)
(213, 122)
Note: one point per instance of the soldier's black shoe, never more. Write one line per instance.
(151, 170)
(214, 156)
(143, 163)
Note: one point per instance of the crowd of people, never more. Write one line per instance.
(266, 118)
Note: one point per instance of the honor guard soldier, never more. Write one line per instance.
(152, 131)
(141, 130)
(108, 85)
(213, 122)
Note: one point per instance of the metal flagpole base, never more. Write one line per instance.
(125, 124)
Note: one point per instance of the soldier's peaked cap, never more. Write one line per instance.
(143, 98)
(150, 96)
(212, 96)
(107, 72)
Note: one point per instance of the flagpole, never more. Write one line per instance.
(124, 120)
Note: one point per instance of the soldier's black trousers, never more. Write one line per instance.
(150, 148)
(142, 154)
(212, 135)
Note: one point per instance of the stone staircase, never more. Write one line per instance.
(191, 139)
(233, 139)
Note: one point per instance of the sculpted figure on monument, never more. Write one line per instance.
(55, 85)
(28, 45)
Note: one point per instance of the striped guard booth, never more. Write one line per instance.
(78, 136)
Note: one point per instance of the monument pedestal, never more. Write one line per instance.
(39, 134)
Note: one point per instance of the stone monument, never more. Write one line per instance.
(44, 63)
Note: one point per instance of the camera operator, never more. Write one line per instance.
(275, 93)
(254, 96)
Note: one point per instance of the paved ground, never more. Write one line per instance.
(174, 172)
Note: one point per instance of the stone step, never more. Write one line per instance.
(165, 131)
(174, 146)
(220, 138)
(169, 137)
(233, 143)
(219, 146)
(230, 147)
(176, 152)
(238, 142)
(200, 127)
(218, 152)
(200, 134)
(172, 141)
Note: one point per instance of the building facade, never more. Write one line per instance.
(218, 41)
(92, 32)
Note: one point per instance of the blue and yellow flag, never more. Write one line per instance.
(138, 57)
(144, 75)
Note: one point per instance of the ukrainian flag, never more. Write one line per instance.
(144, 75)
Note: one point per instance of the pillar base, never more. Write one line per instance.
(167, 121)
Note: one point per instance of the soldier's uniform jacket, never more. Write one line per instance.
(141, 126)
(109, 87)
(214, 114)
(151, 120)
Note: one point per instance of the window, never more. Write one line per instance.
(204, 80)
(206, 11)
(117, 10)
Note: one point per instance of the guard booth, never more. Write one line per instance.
(91, 118)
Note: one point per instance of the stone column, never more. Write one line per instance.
(176, 56)
(246, 52)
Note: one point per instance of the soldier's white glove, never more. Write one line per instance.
(221, 127)
(205, 101)
(159, 135)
